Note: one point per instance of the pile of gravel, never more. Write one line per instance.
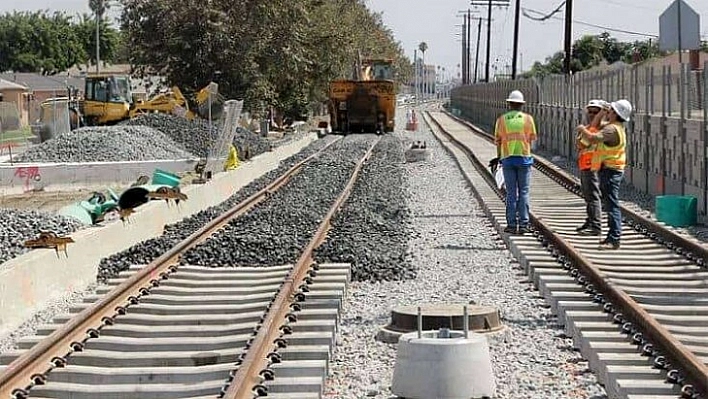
(197, 136)
(372, 230)
(106, 144)
(276, 231)
(148, 250)
(18, 226)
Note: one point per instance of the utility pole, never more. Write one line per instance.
(465, 44)
(489, 4)
(568, 34)
(476, 57)
(99, 12)
(516, 39)
(415, 69)
(469, 40)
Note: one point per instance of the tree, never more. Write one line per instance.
(109, 39)
(280, 53)
(39, 42)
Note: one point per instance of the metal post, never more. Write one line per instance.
(568, 34)
(476, 57)
(464, 51)
(420, 323)
(466, 322)
(99, 13)
(649, 109)
(517, 11)
(705, 139)
(682, 126)
(678, 16)
(415, 73)
(469, 47)
(489, 40)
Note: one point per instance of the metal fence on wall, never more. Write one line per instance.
(667, 136)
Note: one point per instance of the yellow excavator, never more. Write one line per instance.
(108, 99)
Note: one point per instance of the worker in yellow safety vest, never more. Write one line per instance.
(514, 133)
(609, 160)
(589, 179)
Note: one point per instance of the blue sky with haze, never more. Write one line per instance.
(434, 21)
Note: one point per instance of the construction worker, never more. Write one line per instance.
(514, 133)
(589, 179)
(609, 160)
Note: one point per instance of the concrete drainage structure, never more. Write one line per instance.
(404, 319)
(443, 364)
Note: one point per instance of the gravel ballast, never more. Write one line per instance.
(276, 231)
(371, 231)
(197, 136)
(460, 258)
(106, 144)
(18, 226)
(146, 251)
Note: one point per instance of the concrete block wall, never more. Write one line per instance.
(666, 154)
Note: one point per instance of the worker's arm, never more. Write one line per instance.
(497, 138)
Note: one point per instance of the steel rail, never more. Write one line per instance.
(248, 375)
(672, 348)
(31, 367)
(699, 252)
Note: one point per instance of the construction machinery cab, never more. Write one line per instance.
(107, 98)
(376, 69)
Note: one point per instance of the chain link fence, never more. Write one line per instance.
(667, 135)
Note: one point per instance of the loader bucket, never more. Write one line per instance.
(207, 98)
(78, 212)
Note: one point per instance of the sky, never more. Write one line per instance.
(433, 21)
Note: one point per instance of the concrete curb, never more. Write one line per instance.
(31, 281)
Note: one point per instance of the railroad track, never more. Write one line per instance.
(166, 330)
(638, 314)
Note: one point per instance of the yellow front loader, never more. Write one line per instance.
(108, 99)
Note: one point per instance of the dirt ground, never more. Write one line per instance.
(48, 201)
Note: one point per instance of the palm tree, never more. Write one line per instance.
(423, 47)
(98, 8)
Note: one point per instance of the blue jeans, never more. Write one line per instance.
(517, 182)
(610, 180)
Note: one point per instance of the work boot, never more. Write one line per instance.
(609, 245)
(510, 229)
(589, 231)
(524, 230)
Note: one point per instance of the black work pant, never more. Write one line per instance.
(590, 184)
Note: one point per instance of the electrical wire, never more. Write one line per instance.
(607, 28)
(545, 17)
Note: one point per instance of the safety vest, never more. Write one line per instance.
(514, 132)
(587, 150)
(611, 157)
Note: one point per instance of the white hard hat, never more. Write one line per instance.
(596, 103)
(623, 108)
(516, 97)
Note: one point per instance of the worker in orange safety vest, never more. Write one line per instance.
(610, 159)
(589, 179)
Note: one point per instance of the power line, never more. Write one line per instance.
(607, 28)
(545, 17)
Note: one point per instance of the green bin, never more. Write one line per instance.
(160, 177)
(676, 210)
